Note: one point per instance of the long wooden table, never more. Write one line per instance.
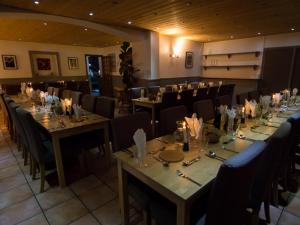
(51, 123)
(176, 189)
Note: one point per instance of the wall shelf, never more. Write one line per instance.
(256, 54)
(231, 66)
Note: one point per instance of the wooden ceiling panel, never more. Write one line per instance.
(56, 33)
(204, 19)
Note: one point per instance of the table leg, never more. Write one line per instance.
(123, 194)
(182, 214)
(153, 121)
(58, 160)
(108, 152)
(133, 107)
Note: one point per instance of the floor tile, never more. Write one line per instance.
(96, 197)
(9, 171)
(86, 220)
(54, 196)
(35, 185)
(7, 162)
(113, 184)
(274, 213)
(288, 219)
(109, 214)
(6, 154)
(294, 205)
(15, 195)
(19, 212)
(85, 184)
(36, 220)
(66, 212)
(11, 182)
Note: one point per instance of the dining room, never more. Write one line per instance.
(126, 112)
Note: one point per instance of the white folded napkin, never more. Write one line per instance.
(195, 125)
(63, 106)
(23, 87)
(174, 87)
(210, 84)
(77, 111)
(201, 85)
(295, 91)
(139, 138)
(162, 90)
(265, 102)
(250, 107)
(49, 99)
(222, 109)
(231, 113)
(55, 99)
(276, 98)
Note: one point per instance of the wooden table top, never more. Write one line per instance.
(203, 171)
(54, 123)
(145, 100)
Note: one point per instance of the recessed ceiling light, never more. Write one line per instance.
(188, 3)
(91, 14)
(20, 39)
(85, 29)
(45, 23)
(129, 22)
(231, 36)
(36, 2)
(258, 33)
(293, 29)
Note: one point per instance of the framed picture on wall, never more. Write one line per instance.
(73, 63)
(45, 64)
(9, 62)
(189, 58)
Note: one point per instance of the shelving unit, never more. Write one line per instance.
(256, 54)
(231, 66)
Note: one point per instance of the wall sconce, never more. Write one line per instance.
(173, 55)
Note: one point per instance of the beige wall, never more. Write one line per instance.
(21, 50)
(243, 45)
(175, 67)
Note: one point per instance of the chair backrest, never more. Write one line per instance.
(11, 89)
(227, 89)
(186, 98)
(169, 99)
(136, 92)
(56, 91)
(75, 95)
(204, 109)
(153, 90)
(212, 92)
(224, 100)
(71, 85)
(12, 106)
(123, 129)
(66, 94)
(105, 106)
(240, 98)
(194, 85)
(272, 159)
(295, 134)
(169, 88)
(168, 118)
(88, 102)
(232, 186)
(33, 136)
(39, 86)
(253, 95)
(202, 93)
(50, 90)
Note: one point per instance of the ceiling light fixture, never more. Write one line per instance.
(20, 39)
(292, 29)
(258, 33)
(36, 2)
(129, 22)
(85, 29)
(188, 3)
(231, 37)
(45, 24)
(91, 14)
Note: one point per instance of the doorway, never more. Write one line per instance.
(94, 73)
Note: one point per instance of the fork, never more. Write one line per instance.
(181, 174)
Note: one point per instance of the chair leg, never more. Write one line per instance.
(267, 210)
(33, 168)
(42, 172)
(25, 152)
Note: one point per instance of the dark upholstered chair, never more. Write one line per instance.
(66, 94)
(123, 129)
(241, 98)
(10, 124)
(273, 158)
(168, 118)
(41, 151)
(224, 100)
(186, 99)
(229, 195)
(76, 95)
(105, 106)
(169, 99)
(11, 89)
(88, 102)
(254, 95)
(201, 94)
(56, 91)
(194, 85)
(169, 88)
(205, 109)
(136, 92)
(153, 90)
(226, 89)
(72, 85)
(39, 86)
(50, 90)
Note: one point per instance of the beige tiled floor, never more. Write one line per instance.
(92, 200)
